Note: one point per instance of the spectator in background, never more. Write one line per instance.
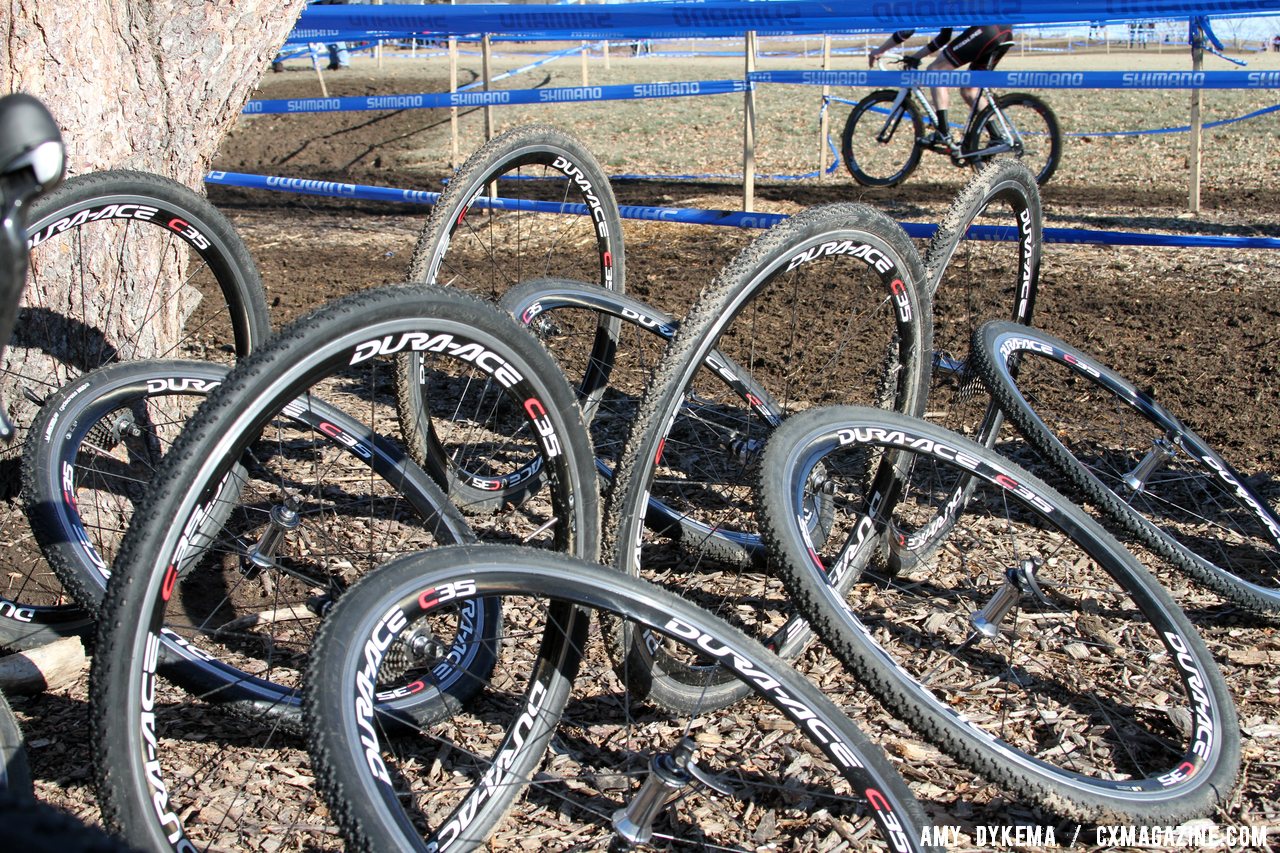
(339, 59)
(1275, 43)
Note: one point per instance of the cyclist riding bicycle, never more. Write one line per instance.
(978, 47)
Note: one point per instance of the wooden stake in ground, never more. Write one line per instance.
(749, 131)
(824, 118)
(1197, 121)
(454, 161)
(315, 63)
(486, 62)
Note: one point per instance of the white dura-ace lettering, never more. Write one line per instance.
(445, 343)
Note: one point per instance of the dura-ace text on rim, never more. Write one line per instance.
(722, 796)
(1033, 646)
(95, 292)
(300, 538)
(972, 281)
(1152, 474)
(825, 307)
(531, 203)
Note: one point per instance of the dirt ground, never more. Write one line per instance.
(1198, 327)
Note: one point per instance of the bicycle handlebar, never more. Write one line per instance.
(32, 160)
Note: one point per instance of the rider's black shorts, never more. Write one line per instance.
(979, 47)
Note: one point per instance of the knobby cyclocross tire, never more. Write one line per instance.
(371, 771)
(1034, 648)
(110, 252)
(92, 450)
(809, 311)
(555, 215)
(38, 827)
(973, 280)
(309, 518)
(1037, 126)
(1150, 473)
(877, 152)
(15, 775)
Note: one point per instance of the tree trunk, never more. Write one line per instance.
(143, 84)
(151, 85)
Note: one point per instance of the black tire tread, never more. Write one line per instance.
(1118, 511)
(846, 139)
(122, 808)
(622, 511)
(804, 588)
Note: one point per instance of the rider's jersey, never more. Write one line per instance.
(978, 47)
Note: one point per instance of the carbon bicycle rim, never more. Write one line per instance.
(531, 203)
(823, 307)
(1031, 646)
(113, 255)
(982, 264)
(617, 772)
(220, 583)
(564, 315)
(92, 451)
(1149, 472)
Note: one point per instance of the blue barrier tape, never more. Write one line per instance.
(736, 219)
(1109, 133)
(1184, 128)
(559, 94)
(466, 96)
(667, 20)
(559, 54)
(1029, 79)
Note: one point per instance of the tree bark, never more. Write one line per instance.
(151, 85)
(142, 84)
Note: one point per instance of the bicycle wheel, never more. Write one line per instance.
(880, 149)
(227, 610)
(92, 450)
(1039, 137)
(111, 252)
(39, 827)
(608, 750)
(1150, 473)
(812, 311)
(564, 315)
(553, 215)
(973, 279)
(15, 776)
(1033, 647)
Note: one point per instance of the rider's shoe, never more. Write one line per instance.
(937, 139)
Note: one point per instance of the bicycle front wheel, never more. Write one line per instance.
(824, 307)
(1151, 474)
(117, 258)
(974, 278)
(784, 769)
(1037, 138)
(532, 203)
(1033, 647)
(270, 505)
(93, 450)
(880, 144)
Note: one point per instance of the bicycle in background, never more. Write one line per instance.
(880, 151)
